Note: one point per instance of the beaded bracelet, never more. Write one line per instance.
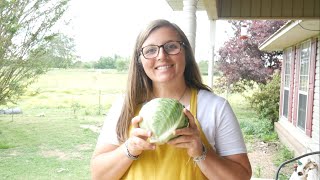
(202, 156)
(130, 156)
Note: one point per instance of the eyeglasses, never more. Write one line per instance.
(152, 51)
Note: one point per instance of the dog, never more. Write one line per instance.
(306, 171)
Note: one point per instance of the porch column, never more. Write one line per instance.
(212, 46)
(189, 9)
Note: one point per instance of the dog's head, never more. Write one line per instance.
(302, 170)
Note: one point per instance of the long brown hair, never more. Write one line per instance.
(139, 85)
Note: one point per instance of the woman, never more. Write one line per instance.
(212, 147)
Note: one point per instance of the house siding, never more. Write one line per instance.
(316, 100)
(315, 145)
(297, 138)
(287, 128)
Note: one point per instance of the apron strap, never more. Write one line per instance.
(193, 110)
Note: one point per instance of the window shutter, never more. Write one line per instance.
(283, 70)
(312, 72)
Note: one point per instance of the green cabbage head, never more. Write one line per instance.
(162, 116)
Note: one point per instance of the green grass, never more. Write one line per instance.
(40, 146)
(251, 125)
(47, 140)
(283, 154)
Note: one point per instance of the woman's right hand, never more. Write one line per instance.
(137, 142)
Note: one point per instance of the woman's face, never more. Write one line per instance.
(164, 67)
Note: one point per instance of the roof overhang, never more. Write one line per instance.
(210, 6)
(254, 9)
(290, 34)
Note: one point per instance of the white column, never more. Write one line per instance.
(189, 9)
(212, 46)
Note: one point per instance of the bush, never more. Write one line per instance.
(222, 85)
(282, 155)
(265, 100)
(203, 67)
(122, 65)
(260, 128)
(105, 63)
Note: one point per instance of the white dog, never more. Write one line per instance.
(306, 171)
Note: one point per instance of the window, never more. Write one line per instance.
(286, 86)
(303, 84)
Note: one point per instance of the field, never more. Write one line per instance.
(62, 113)
(54, 137)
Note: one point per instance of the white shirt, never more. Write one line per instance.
(215, 116)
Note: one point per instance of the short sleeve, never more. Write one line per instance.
(220, 124)
(229, 138)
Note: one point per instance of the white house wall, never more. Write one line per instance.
(316, 108)
(315, 146)
(287, 131)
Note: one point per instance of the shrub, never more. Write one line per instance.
(203, 67)
(282, 155)
(260, 128)
(265, 100)
(122, 65)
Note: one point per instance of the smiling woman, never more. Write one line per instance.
(163, 66)
(159, 65)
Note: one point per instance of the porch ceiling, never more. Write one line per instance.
(255, 9)
(203, 5)
(291, 33)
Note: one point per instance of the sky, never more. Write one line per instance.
(108, 27)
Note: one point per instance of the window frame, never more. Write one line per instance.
(302, 92)
(287, 77)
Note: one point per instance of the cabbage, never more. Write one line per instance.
(162, 116)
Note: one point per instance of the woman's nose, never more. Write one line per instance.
(162, 55)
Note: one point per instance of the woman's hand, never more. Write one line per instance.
(189, 137)
(137, 142)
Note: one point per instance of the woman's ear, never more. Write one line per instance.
(139, 59)
(139, 63)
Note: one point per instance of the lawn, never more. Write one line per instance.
(52, 139)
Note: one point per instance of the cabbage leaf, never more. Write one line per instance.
(162, 116)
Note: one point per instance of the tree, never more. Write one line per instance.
(24, 27)
(122, 64)
(105, 63)
(265, 100)
(203, 67)
(60, 51)
(241, 62)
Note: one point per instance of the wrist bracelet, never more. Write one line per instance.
(130, 156)
(202, 156)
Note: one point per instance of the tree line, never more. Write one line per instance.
(121, 64)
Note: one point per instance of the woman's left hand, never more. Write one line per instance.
(189, 137)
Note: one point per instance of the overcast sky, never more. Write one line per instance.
(104, 27)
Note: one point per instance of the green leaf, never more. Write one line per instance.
(162, 116)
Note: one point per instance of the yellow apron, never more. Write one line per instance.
(167, 162)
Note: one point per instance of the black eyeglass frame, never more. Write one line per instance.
(162, 46)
